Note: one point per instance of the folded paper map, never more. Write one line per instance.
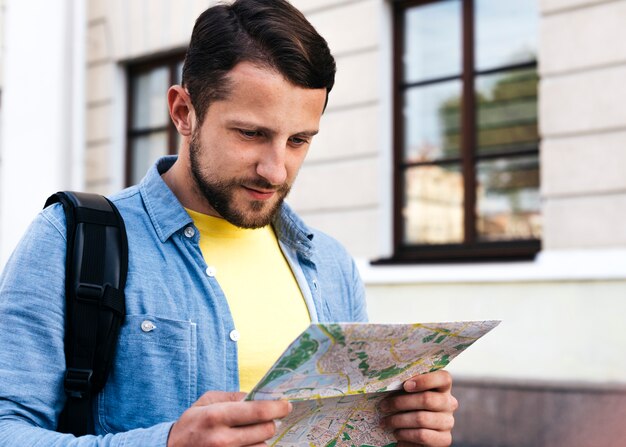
(336, 374)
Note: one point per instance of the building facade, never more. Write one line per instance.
(472, 158)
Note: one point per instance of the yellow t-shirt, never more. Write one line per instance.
(264, 298)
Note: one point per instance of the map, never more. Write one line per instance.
(335, 375)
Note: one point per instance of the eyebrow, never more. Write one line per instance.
(256, 127)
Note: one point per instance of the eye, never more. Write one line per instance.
(248, 134)
(298, 141)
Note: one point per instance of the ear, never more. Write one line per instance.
(181, 110)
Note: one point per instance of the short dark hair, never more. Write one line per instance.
(270, 33)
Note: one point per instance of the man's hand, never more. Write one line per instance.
(423, 414)
(221, 419)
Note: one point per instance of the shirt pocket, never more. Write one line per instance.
(153, 379)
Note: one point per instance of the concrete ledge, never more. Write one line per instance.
(556, 265)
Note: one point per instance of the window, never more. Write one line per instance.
(151, 133)
(466, 145)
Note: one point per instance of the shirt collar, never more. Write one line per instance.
(166, 212)
(168, 215)
(292, 231)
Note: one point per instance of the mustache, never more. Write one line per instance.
(262, 184)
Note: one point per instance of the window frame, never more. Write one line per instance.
(171, 61)
(471, 249)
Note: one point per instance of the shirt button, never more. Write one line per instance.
(147, 326)
(189, 232)
(210, 271)
(234, 335)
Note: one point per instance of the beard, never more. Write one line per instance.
(220, 194)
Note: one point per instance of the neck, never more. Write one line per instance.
(180, 181)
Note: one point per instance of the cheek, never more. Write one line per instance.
(228, 158)
(294, 164)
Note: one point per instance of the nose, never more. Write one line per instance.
(271, 165)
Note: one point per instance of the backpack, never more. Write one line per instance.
(95, 276)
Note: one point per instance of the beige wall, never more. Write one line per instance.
(549, 330)
(2, 39)
(2, 49)
(120, 31)
(583, 123)
(339, 187)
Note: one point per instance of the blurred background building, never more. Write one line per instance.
(472, 158)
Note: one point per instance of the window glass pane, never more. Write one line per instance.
(433, 208)
(432, 122)
(508, 201)
(506, 32)
(149, 92)
(432, 41)
(145, 150)
(507, 111)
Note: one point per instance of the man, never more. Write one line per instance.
(222, 274)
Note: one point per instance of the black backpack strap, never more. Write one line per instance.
(95, 276)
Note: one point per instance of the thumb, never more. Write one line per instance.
(214, 397)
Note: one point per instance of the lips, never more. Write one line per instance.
(260, 194)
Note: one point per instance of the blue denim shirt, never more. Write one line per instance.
(159, 373)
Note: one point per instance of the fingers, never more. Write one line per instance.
(439, 380)
(227, 422)
(420, 419)
(251, 434)
(227, 408)
(422, 437)
(235, 414)
(423, 414)
(192, 430)
(427, 400)
(430, 427)
(429, 392)
(213, 397)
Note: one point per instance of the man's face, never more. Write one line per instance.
(248, 150)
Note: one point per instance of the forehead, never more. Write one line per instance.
(263, 96)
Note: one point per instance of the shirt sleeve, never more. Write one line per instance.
(359, 307)
(32, 358)
(18, 434)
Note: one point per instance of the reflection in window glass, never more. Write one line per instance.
(145, 150)
(432, 41)
(467, 161)
(433, 208)
(432, 121)
(506, 32)
(151, 133)
(149, 98)
(508, 202)
(507, 111)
